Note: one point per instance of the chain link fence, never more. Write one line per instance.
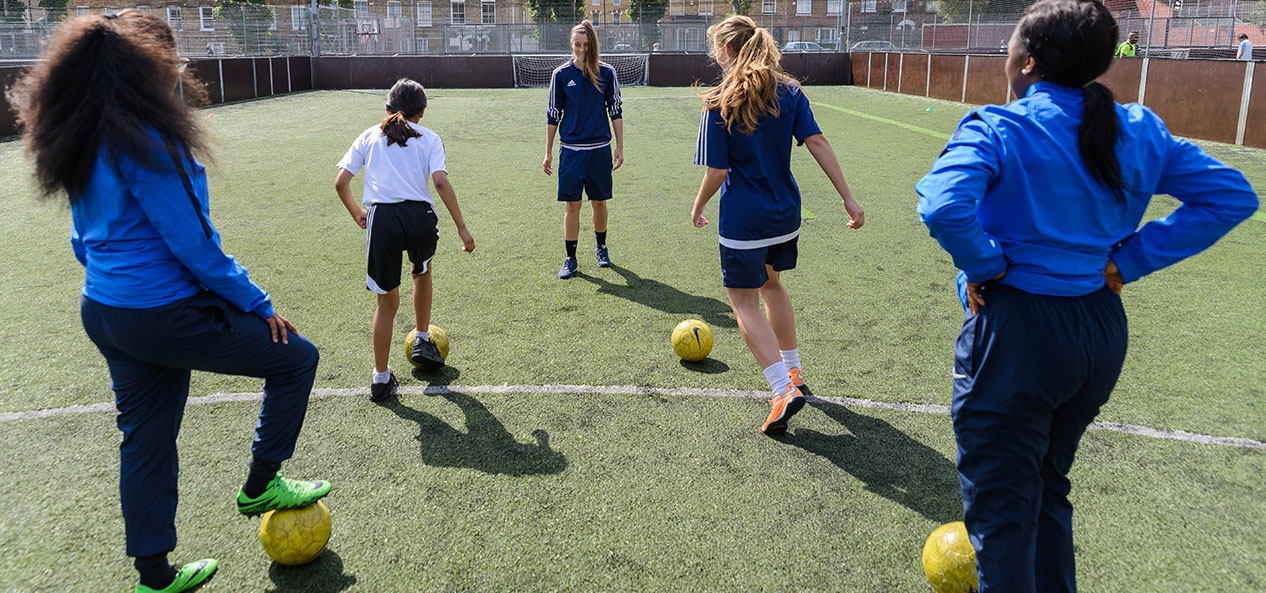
(1172, 28)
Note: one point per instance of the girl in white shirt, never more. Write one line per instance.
(398, 157)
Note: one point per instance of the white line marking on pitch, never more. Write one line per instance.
(1134, 429)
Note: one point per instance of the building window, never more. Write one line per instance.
(82, 11)
(424, 14)
(298, 18)
(488, 12)
(424, 45)
(173, 17)
(804, 7)
(615, 2)
(705, 6)
(362, 8)
(615, 17)
(677, 7)
(768, 6)
(868, 5)
(457, 12)
(144, 8)
(394, 10)
(929, 6)
(833, 6)
(206, 18)
(898, 5)
(826, 37)
(111, 10)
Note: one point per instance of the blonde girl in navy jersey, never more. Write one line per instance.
(583, 95)
(745, 135)
(399, 158)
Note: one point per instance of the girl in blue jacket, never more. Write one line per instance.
(160, 297)
(1039, 203)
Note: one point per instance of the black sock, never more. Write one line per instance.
(602, 237)
(156, 572)
(262, 473)
(571, 248)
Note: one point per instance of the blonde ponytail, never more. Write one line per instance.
(749, 86)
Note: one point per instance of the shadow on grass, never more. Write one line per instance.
(710, 366)
(888, 461)
(486, 445)
(323, 575)
(657, 295)
(446, 375)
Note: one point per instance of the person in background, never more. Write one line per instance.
(1245, 50)
(1039, 202)
(1129, 47)
(160, 296)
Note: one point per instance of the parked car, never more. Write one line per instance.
(803, 46)
(622, 47)
(874, 46)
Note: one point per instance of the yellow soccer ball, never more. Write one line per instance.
(295, 536)
(437, 335)
(949, 561)
(692, 340)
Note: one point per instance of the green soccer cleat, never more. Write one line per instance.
(189, 576)
(282, 493)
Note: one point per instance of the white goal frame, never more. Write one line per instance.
(534, 70)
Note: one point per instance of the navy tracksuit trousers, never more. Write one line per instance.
(150, 353)
(1030, 374)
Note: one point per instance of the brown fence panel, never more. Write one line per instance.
(263, 78)
(300, 73)
(860, 65)
(914, 74)
(1123, 78)
(818, 68)
(1255, 128)
(947, 77)
(332, 73)
(1196, 98)
(280, 75)
(239, 79)
(208, 71)
(891, 71)
(682, 70)
(986, 82)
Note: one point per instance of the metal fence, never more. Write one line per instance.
(1167, 29)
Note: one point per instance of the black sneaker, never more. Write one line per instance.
(569, 268)
(604, 258)
(426, 355)
(381, 391)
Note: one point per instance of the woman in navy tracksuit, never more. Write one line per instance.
(160, 296)
(1039, 203)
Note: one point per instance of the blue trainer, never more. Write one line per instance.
(604, 260)
(569, 269)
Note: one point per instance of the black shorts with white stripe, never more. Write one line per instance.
(392, 230)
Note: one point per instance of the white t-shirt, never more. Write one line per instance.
(395, 173)
(1246, 50)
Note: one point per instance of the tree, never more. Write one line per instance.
(646, 13)
(54, 10)
(568, 12)
(741, 6)
(1258, 16)
(248, 22)
(12, 11)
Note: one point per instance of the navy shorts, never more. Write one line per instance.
(745, 268)
(587, 170)
(390, 231)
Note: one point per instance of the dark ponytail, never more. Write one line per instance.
(405, 101)
(1097, 138)
(1072, 42)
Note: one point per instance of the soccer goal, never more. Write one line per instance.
(535, 70)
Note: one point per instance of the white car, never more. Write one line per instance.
(874, 46)
(809, 46)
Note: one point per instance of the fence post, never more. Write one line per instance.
(1248, 88)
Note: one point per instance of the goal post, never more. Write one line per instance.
(535, 70)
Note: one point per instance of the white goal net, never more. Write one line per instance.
(529, 70)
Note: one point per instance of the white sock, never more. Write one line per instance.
(776, 374)
(791, 358)
(423, 335)
(382, 377)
